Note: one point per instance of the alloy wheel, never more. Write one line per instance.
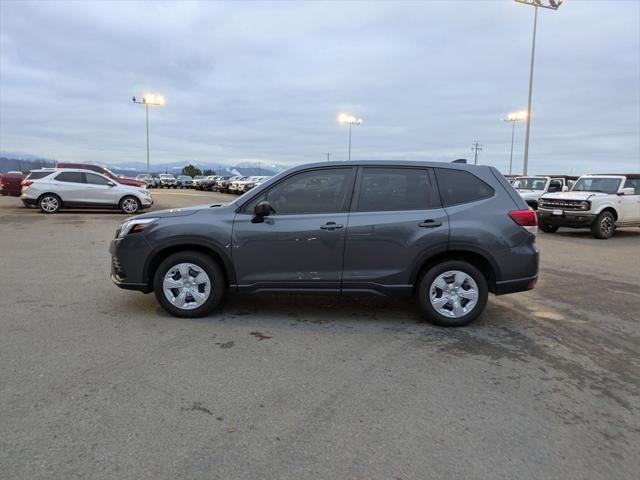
(49, 204)
(130, 205)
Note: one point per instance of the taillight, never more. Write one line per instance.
(26, 183)
(527, 219)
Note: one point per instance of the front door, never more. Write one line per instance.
(100, 190)
(300, 245)
(395, 223)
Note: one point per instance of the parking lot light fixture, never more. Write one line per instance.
(149, 99)
(351, 121)
(513, 118)
(550, 5)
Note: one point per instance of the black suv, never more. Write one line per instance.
(446, 233)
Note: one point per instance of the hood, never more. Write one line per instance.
(574, 195)
(180, 212)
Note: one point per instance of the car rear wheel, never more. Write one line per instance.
(604, 226)
(452, 293)
(130, 205)
(189, 284)
(49, 203)
(548, 228)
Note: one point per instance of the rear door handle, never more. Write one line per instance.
(331, 226)
(430, 224)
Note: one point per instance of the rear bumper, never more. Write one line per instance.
(514, 286)
(567, 219)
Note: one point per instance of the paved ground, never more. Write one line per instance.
(97, 382)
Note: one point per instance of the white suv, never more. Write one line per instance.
(599, 202)
(532, 188)
(53, 189)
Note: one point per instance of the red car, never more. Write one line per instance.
(106, 172)
(10, 183)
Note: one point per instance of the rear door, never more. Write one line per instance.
(631, 210)
(100, 190)
(70, 187)
(396, 220)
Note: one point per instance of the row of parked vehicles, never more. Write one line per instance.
(598, 202)
(230, 184)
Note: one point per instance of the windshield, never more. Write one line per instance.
(597, 184)
(165, 175)
(531, 183)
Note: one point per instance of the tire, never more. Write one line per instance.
(548, 228)
(49, 203)
(198, 262)
(129, 205)
(604, 226)
(444, 274)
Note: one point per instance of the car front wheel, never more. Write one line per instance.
(548, 228)
(604, 226)
(452, 293)
(189, 284)
(129, 205)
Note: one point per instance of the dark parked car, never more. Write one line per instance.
(10, 183)
(104, 171)
(447, 233)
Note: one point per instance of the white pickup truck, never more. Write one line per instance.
(532, 188)
(598, 202)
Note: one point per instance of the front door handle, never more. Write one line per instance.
(331, 226)
(430, 224)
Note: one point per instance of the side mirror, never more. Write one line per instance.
(565, 189)
(261, 210)
(628, 191)
(111, 184)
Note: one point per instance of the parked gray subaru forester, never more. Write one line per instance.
(446, 233)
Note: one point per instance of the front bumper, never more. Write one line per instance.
(128, 257)
(571, 219)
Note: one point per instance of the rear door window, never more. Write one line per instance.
(395, 189)
(460, 186)
(71, 177)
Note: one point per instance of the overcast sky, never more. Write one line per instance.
(258, 81)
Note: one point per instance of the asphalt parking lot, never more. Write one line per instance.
(98, 382)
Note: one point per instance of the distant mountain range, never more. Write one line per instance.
(25, 162)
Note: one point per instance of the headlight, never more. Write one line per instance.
(585, 205)
(134, 225)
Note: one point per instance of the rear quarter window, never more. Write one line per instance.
(38, 175)
(459, 186)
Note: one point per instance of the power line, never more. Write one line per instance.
(476, 147)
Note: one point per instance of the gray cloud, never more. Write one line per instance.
(265, 81)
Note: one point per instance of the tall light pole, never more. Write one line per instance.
(513, 118)
(149, 99)
(351, 121)
(551, 5)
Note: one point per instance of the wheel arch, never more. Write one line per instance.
(611, 209)
(481, 261)
(206, 248)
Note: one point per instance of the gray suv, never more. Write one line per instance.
(445, 233)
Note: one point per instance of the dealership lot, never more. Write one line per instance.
(97, 382)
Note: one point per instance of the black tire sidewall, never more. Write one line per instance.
(425, 284)
(596, 228)
(137, 203)
(42, 197)
(210, 266)
(546, 228)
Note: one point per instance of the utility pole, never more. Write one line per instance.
(476, 147)
(328, 156)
